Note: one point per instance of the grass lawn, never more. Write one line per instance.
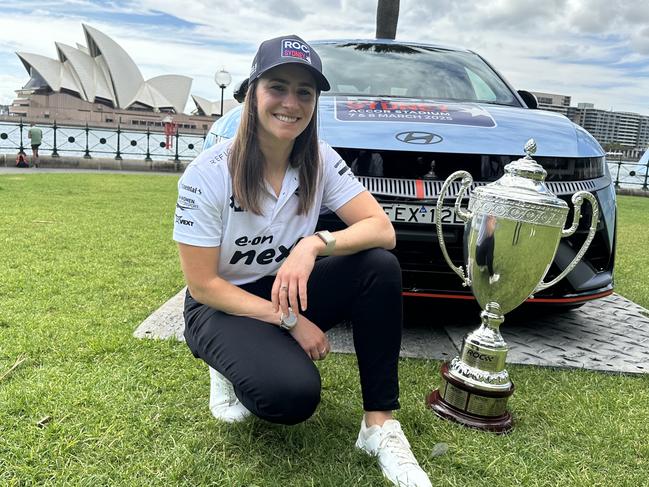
(632, 260)
(86, 257)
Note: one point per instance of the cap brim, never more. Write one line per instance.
(321, 82)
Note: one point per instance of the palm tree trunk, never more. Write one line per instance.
(387, 16)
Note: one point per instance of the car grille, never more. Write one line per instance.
(433, 168)
(422, 189)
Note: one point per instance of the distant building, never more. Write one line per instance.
(626, 129)
(628, 132)
(552, 102)
(100, 84)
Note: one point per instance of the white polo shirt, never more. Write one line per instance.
(253, 246)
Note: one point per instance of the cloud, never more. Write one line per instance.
(287, 9)
(640, 41)
(9, 83)
(562, 46)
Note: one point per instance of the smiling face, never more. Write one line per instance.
(286, 98)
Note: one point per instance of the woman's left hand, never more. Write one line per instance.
(291, 280)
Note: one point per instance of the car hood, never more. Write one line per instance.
(402, 124)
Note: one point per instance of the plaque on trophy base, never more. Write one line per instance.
(486, 410)
(514, 226)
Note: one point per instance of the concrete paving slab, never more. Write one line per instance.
(166, 322)
(610, 334)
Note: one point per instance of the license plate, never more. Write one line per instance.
(424, 214)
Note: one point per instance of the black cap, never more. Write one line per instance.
(284, 50)
(240, 90)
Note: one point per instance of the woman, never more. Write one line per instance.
(258, 301)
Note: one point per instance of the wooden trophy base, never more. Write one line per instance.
(470, 406)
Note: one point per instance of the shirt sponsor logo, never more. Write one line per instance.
(342, 168)
(259, 256)
(221, 156)
(296, 49)
(185, 203)
(191, 189)
(180, 220)
(234, 206)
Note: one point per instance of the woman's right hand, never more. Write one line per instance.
(311, 338)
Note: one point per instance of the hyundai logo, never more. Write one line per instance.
(419, 138)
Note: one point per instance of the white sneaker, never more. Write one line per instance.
(494, 278)
(390, 446)
(224, 404)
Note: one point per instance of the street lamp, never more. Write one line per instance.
(223, 79)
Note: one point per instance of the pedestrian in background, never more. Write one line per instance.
(21, 160)
(35, 135)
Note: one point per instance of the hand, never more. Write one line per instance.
(293, 276)
(311, 338)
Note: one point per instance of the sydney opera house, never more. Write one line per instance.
(100, 84)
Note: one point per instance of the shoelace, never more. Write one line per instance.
(397, 444)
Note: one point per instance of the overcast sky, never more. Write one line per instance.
(596, 51)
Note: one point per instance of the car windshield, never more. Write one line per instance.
(411, 71)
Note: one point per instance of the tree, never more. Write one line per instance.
(387, 16)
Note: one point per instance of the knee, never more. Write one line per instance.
(291, 401)
(382, 263)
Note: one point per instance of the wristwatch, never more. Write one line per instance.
(287, 322)
(329, 240)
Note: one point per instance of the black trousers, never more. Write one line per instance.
(272, 376)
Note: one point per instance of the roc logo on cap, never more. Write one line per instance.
(296, 49)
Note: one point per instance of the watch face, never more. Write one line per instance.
(289, 321)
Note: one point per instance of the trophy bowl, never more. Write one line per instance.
(513, 227)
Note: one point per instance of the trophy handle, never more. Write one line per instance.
(464, 215)
(577, 200)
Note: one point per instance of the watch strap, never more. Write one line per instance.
(329, 240)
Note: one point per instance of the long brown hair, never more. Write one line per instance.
(246, 161)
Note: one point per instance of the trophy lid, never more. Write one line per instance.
(523, 187)
(527, 167)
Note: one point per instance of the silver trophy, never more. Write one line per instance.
(513, 229)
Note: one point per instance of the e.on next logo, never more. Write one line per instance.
(296, 49)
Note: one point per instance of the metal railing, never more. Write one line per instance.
(61, 140)
(89, 142)
(630, 174)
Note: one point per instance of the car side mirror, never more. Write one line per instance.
(529, 99)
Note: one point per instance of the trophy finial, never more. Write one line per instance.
(530, 148)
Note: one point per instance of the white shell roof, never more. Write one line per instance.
(124, 73)
(48, 68)
(175, 88)
(105, 70)
(86, 71)
(213, 108)
(206, 106)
